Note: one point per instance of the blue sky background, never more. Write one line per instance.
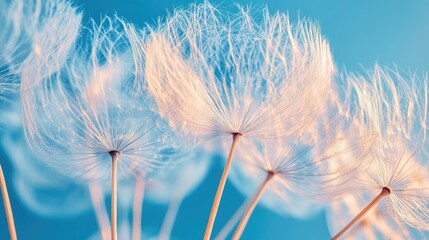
(361, 33)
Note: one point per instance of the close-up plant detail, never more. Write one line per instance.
(22, 31)
(394, 172)
(234, 119)
(292, 174)
(93, 124)
(373, 225)
(235, 75)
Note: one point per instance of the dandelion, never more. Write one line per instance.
(9, 36)
(169, 186)
(289, 171)
(215, 74)
(35, 183)
(372, 226)
(13, 42)
(86, 119)
(293, 173)
(401, 182)
(395, 112)
(254, 170)
(23, 24)
(27, 26)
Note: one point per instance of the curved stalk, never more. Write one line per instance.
(7, 207)
(251, 207)
(384, 192)
(221, 186)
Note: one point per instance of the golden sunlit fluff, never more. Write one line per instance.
(295, 168)
(399, 183)
(235, 73)
(399, 169)
(374, 225)
(278, 160)
(388, 103)
(292, 176)
(105, 101)
(392, 112)
(250, 74)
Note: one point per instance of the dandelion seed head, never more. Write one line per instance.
(35, 183)
(393, 111)
(27, 31)
(89, 109)
(374, 225)
(298, 172)
(213, 73)
(398, 169)
(247, 177)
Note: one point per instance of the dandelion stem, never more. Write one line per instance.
(233, 220)
(384, 192)
(251, 207)
(7, 207)
(221, 186)
(137, 208)
(100, 210)
(170, 217)
(115, 157)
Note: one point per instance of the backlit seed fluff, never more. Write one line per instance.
(214, 73)
(77, 116)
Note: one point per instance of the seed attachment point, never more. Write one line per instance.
(114, 153)
(386, 191)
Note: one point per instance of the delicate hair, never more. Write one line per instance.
(35, 183)
(43, 29)
(75, 116)
(214, 72)
(373, 226)
(301, 177)
(391, 109)
(399, 168)
(389, 103)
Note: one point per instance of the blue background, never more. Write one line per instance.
(361, 34)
